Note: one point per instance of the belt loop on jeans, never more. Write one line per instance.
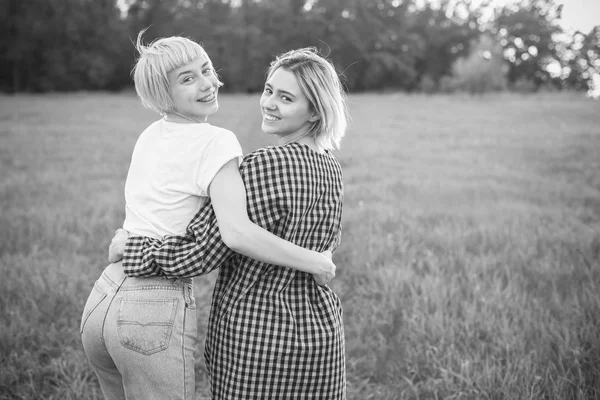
(187, 293)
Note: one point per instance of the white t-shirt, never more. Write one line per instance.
(171, 169)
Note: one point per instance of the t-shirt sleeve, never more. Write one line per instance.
(223, 148)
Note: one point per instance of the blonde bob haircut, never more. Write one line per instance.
(322, 87)
(155, 61)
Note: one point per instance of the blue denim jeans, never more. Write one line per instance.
(139, 335)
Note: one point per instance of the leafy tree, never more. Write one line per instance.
(528, 33)
(581, 60)
(375, 44)
(483, 70)
(22, 27)
(62, 45)
(445, 36)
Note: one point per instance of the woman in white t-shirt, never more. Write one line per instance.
(139, 333)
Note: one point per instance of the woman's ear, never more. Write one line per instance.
(314, 117)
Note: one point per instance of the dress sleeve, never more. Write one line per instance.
(266, 180)
(202, 249)
(337, 238)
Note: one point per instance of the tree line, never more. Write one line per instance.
(63, 45)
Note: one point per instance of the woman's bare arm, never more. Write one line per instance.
(228, 197)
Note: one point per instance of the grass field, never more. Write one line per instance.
(469, 265)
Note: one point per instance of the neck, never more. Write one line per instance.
(300, 138)
(182, 119)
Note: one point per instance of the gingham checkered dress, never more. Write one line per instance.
(273, 333)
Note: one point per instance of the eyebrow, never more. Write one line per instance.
(281, 91)
(190, 71)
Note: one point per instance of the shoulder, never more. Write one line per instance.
(151, 130)
(216, 130)
(292, 160)
(293, 155)
(264, 153)
(204, 131)
(211, 132)
(149, 138)
(290, 154)
(224, 138)
(210, 137)
(265, 170)
(271, 156)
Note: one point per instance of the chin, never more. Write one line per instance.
(266, 128)
(215, 108)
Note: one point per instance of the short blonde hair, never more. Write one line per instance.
(155, 61)
(322, 87)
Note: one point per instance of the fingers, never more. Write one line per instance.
(117, 245)
(113, 255)
(120, 234)
(327, 272)
(323, 279)
(319, 280)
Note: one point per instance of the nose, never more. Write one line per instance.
(205, 83)
(268, 102)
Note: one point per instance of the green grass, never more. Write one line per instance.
(469, 265)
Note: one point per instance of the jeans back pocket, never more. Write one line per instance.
(145, 326)
(94, 299)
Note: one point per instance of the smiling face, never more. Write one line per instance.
(285, 109)
(194, 88)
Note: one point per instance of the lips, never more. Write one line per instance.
(208, 99)
(270, 118)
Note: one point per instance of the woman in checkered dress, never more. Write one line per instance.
(274, 332)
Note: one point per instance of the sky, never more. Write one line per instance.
(580, 14)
